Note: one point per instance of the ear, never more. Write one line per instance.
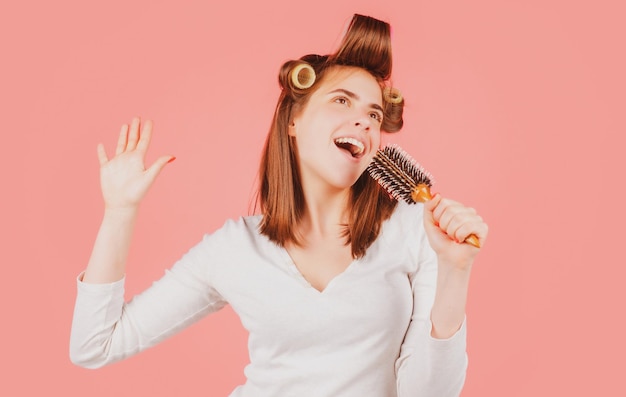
(292, 129)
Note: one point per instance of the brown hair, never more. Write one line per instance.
(367, 45)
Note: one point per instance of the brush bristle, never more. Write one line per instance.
(397, 172)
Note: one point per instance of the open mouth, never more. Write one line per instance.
(353, 146)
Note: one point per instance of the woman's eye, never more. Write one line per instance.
(376, 116)
(341, 100)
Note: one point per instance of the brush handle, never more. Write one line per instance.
(421, 193)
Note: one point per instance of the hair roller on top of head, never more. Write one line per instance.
(366, 44)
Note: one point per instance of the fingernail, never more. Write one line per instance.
(172, 159)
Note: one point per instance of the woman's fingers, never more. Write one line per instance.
(474, 227)
(456, 220)
(121, 140)
(133, 134)
(102, 155)
(448, 210)
(430, 206)
(462, 225)
(131, 138)
(144, 136)
(157, 166)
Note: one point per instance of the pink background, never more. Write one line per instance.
(514, 106)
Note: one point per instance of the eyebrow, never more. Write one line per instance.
(352, 95)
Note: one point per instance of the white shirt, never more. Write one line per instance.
(366, 334)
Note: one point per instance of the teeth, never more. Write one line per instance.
(359, 147)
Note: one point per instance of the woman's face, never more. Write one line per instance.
(337, 132)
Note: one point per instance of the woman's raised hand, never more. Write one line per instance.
(124, 179)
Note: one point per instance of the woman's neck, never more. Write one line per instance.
(325, 213)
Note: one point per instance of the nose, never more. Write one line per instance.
(363, 121)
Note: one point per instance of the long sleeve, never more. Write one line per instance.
(105, 329)
(429, 367)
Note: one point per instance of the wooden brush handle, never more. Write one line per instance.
(421, 193)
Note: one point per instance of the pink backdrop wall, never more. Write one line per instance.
(516, 107)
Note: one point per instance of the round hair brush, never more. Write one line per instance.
(404, 179)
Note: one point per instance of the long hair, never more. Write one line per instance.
(366, 45)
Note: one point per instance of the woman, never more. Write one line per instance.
(342, 290)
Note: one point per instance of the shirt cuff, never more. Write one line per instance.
(459, 337)
(99, 287)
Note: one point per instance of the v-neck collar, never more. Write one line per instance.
(297, 274)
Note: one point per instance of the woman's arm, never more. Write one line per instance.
(105, 329)
(448, 224)
(433, 359)
(429, 366)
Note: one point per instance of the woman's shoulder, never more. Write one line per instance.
(406, 223)
(406, 215)
(235, 237)
(237, 228)
(403, 234)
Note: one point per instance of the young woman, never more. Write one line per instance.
(343, 291)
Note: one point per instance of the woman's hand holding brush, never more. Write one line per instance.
(449, 225)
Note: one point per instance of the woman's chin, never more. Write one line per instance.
(346, 181)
